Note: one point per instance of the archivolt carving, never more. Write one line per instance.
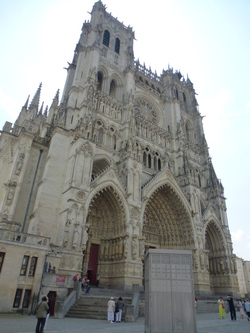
(166, 221)
(106, 216)
(220, 262)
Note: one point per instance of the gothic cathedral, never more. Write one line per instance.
(118, 166)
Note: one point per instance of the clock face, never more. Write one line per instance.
(146, 110)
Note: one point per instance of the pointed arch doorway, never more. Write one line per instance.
(218, 262)
(166, 222)
(106, 234)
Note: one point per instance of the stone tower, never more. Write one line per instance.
(119, 166)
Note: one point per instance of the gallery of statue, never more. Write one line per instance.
(118, 166)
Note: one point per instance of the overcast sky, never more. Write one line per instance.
(206, 39)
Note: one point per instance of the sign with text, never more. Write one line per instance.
(60, 279)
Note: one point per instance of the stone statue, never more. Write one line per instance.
(126, 247)
(134, 248)
(142, 248)
(202, 261)
(19, 165)
(10, 196)
(75, 236)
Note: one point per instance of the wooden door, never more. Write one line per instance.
(52, 301)
(93, 262)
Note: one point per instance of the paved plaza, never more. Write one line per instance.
(206, 323)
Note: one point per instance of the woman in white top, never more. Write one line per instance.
(240, 306)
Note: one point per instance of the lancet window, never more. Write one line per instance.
(106, 38)
(112, 90)
(117, 45)
(100, 81)
(151, 161)
(189, 132)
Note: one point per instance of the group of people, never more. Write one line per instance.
(243, 306)
(42, 314)
(49, 269)
(115, 307)
(85, 283)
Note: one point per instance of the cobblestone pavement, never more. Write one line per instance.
(206, 323)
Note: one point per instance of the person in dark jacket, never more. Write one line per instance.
(42, 308)
(48, 314)
(120, 306)
(231, 307)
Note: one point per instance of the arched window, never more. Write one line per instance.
(100, 135)
(106, 38)
(155, 163)
(117, 45)
(114, 141)
(149, 160)
(199, 180)
(100, 80)
(184, 97)
(112, 90)
(159, 164)
(189, 131)
(177, 94)
(144, 158)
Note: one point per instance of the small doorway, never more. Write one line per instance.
(93, 263)
(52, 301)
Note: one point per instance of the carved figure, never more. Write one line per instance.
(75, 236)
(142, 248)
(134, 248)
(19, 165)
(126, 247)
(10, 196)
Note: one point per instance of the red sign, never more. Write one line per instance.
(60, 279)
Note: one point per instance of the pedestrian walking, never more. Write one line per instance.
(240, 307)
(222, 313)
(111, 310)
(97, 280)
(231, 307)
(247, 307)
(42, 308)
(48, 314)
(120, 306)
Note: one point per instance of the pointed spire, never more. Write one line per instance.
(55, 101)
(188, 80)
(35, 101)
(41, 109)
(26, 103)
(46, 111)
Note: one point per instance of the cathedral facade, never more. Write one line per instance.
(118, 166)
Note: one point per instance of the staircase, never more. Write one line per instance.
(94, 305)
(208, 305)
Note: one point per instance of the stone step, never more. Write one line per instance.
(94, 305)
(207, 306)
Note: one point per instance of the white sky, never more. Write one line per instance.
(206, 39)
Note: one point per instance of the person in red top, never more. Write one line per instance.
(75, 278)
